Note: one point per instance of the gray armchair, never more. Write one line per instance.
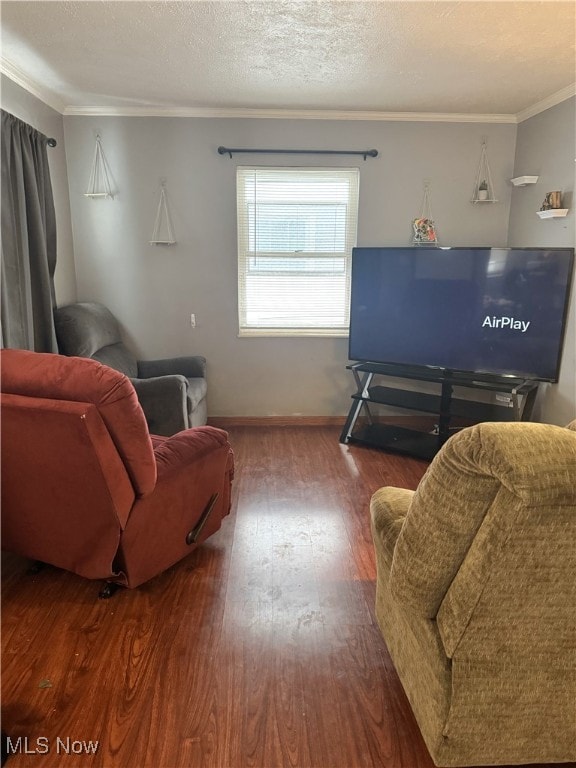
(172, 392)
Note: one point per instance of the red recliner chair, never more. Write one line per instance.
(86, 488)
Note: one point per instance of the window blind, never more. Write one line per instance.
(296, 231)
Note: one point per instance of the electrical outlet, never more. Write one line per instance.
(193, 321)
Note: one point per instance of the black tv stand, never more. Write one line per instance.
(450, 413)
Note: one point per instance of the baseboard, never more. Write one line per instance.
(224, 422)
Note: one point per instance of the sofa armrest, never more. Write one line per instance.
(163, 400)
(180, 450)
(191, 367)
(191, 497)
(388, 509)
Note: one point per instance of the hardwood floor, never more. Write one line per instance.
(258, 651)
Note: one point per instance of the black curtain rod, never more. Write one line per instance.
(364, 152)
(51, 142)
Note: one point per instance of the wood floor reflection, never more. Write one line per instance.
(258, 651)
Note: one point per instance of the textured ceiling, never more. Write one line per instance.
(469, 57)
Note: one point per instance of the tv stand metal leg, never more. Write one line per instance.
(528, 406)
(363, 385)
(350, 421)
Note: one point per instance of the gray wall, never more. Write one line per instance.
(153, 289)
(31, 110)
(546, 148)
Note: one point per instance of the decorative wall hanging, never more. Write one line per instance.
(99, 183)
(424, 227)
(163, 233)
(483, 186)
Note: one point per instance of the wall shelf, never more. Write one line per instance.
(552, 213)
(483, 186)
(99, 182)
(424, 227)
(522, 181)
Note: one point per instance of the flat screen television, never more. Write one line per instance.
(499, 311)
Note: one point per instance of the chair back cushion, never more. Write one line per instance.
(80, 380)
(89, 329)
(516, 586)
(66, 494)
(485, 477)
(118, 357)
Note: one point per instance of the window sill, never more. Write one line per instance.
(294, 333)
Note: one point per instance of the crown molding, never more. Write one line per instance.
(288, 114)
(549, 101)
(45, 95)
(55, 102)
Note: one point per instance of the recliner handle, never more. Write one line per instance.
(193, 535)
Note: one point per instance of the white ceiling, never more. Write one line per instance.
(475, 57)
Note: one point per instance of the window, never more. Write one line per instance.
(296, 231)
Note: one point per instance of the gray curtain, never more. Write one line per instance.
(28, 226)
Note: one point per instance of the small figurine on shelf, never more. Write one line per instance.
(423, 227)
(483, 190)
(424, 231)
(553, 200)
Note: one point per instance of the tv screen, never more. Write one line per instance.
(484, 310)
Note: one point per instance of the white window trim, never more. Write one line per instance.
(342, 329)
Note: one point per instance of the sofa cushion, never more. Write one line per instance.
(84, 328)
(458, 491)
(446, 512)
(118, 357)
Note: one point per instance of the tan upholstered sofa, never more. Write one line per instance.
(476, 594)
